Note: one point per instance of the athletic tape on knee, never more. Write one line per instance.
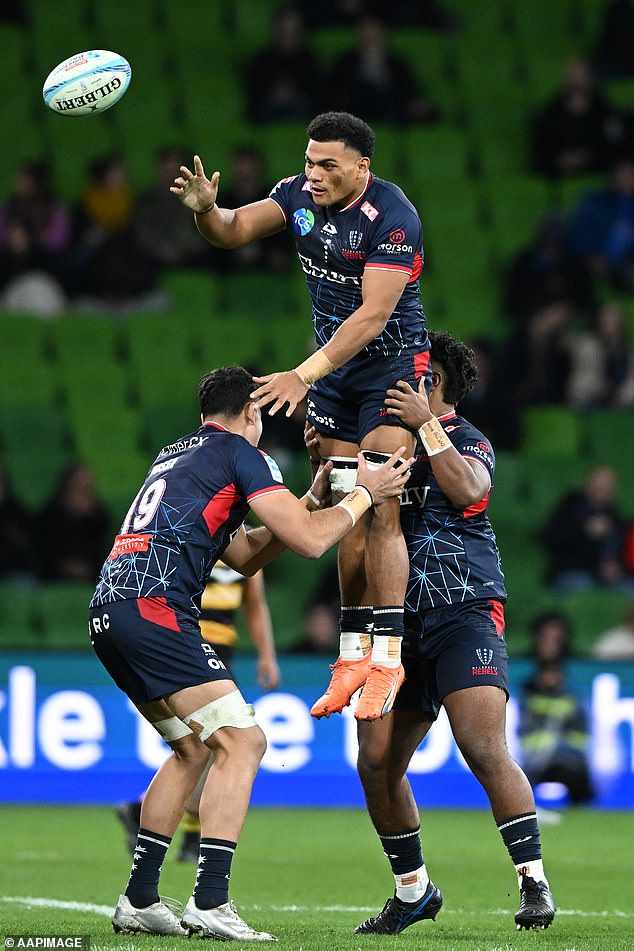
(230, 710)
(172, 729)
(343, 475)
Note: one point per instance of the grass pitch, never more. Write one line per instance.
(310, 876)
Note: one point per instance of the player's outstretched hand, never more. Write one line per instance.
(194, 189)
(280, 388)
(411, 407)
(388, 480)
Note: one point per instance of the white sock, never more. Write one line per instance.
(413, 890)
(354, 646)
(386, 650)
(534, 870)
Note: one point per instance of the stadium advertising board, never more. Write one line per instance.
(67, 734)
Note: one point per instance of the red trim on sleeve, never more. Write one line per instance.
(216, 512)
(157, 611)
(497, 616)
(390, 267)
(417, 267)
(477, 506)
(269, 489)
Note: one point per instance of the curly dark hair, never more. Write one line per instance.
(224, 391)
(343, 127)
(458, 363)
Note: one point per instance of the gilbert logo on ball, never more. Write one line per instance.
(86, 83)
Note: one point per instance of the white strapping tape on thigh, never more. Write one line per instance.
(230, 710)
(172, 729)
(343, 475)
(374, 460)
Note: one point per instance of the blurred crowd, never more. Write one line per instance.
(564, 296)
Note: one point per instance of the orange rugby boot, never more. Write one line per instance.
(381, 687)
(347, 677)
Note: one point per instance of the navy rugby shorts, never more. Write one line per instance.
(457, 647)
(151, 649)
(349, 403)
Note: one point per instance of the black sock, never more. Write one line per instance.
(521, 837)
(356, 619)
(214, 868)
(389, 620)
(404, 851)
(147, 862)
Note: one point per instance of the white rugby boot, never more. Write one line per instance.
(155, 919)
(222, 923)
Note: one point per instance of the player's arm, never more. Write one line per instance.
(464, 481)
(257, 619)
(381, 292)
(224, 227)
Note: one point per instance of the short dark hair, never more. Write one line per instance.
(458, 362)
(225, 392)
(343, 127)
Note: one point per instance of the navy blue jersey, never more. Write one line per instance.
(453, 553)
(194, 498)
(381, 229)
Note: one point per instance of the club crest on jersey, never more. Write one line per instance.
(329, 228)
(354, 240)
(303, 221)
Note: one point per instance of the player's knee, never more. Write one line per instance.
(484, 755)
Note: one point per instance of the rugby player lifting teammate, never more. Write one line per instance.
(359, 242)
(454, 652)
(143, 624)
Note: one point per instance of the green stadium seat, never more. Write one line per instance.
(551, 431)
(164, 422)
(19, 630)
(63, 615)
(194, 293)
(548, 479)
(234, 340)
(517, 205)
(35, 444)
(610, 437)
(261, 294)
(161, 349)
(591, 613)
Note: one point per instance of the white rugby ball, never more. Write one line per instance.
(86, 83)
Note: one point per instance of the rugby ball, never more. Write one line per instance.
(86, 83)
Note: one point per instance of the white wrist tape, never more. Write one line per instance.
(311, 501)
(434, 437)
(356, 503)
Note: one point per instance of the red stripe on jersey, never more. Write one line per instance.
(216, 512)
(390, 267)
(421, 362)
(417, 267)
(497, 616)
(477, 507)
(158, 611)
(271, 488)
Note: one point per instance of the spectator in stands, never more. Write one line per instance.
(16, 555)
(548, 290)
(585, 535)
(553, 726)
(617, 643)
(602, 227)
(614, 56)
(577, 131)
(163, 234)
(283, 80)
(547, 273)
(373, 82)
(249, 182)
(111, 272)
(35, 238)
(73, 529)
(602, 371)
(489, 405)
